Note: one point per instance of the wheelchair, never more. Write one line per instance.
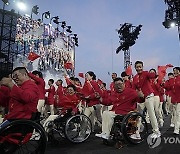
(75, 128)
(22, 137)
(126, 128)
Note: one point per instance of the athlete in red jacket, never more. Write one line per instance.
(38, 78)
(141, 82)
(123, 100)
(23, 96)
(51, 96)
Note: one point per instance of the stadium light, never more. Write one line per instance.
(68, 29)
(35, 10)
(56, 20)
(21, 5)
(172, 15)
(6, 2)
(47, 15)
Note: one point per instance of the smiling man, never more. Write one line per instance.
(141, 83)
(24, 95)
(123, 100)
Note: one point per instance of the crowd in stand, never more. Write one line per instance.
(34, 36)
(24, 26)
(23, 93)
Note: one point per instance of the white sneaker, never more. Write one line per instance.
(105, 136)
(99, 135)
(155, 135)
(171, 125)
(176, 132)
(136, 136)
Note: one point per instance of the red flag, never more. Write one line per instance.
(169, 65)
(33, 56)
(81, 75)
(129, 70)
(99, 82)
(68, 66)
(162, 71)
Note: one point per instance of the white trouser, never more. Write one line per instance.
(177, 120)
(149, 103)
(91, 113)
(107, 121)
(105, 108)
(168, 104)
(173, 113)
(158, 109)
(40, 105)
(161, 113)
(171, 109)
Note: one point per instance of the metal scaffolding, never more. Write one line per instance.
(8, 22)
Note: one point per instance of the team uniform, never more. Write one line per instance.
(141, 82)
(123, 103)
(41, 87)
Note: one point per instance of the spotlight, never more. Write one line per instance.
(136, 32)
(35, 10)
(6, 2)
(170, 23)
(173, 24)
(63, 24)
(47, 15)
(75, 40)
(56, 20)
(69, 29)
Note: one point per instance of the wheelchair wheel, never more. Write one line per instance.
(78, 128)
(134, 128)
(22, 137)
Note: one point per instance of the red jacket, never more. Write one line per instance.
(4, 96)
(123, 102)
(167, 87)
(69, 101)
(142, 82)
(161, 93)
(128, 84)
(155, 86)
(59, 93)
(112, 86)
(51, 93)
(41, 85)
(23, 101)
(175, 89)
(92, 88)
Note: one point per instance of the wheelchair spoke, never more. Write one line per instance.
(134, 128)
(78, 128)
